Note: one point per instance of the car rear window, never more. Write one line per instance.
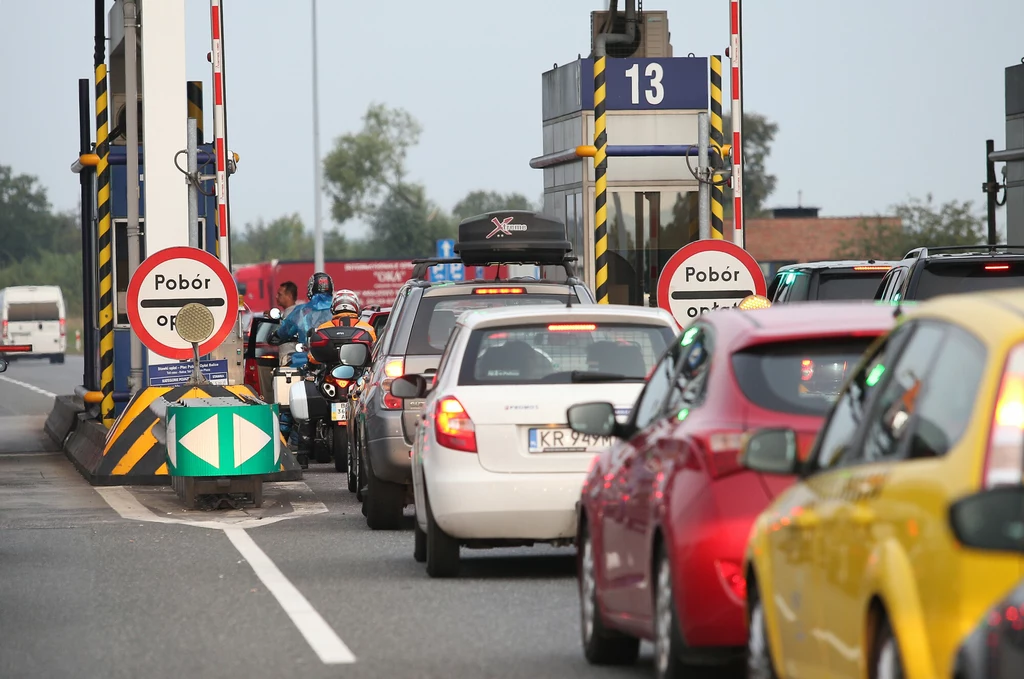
(797, 377)
(436, 316)
(563, 353)
(949, 278)
(849, 285)
(33, 311)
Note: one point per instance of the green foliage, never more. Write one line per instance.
(924, 224)
(758, 184)
(479, 202)
(283, 238)
(49, 268)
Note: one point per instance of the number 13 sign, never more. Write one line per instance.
(671, 83)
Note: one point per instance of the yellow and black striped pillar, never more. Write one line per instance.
(106, 259)
(195, 105)
(600, 185)
(717, 140)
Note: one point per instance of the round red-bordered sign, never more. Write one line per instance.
(727, 259)
(147, 303)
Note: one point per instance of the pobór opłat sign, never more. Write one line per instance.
(707, 275)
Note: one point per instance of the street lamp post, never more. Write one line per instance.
(318, 231)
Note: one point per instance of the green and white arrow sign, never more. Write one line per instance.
(222, 437)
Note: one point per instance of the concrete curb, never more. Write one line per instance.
(63, 418)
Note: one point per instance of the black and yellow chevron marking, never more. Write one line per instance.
(600, 185)
(106, 264)
(133, 452)
(195, 105)
(717, 140)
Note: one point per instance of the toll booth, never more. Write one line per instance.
(652, 99)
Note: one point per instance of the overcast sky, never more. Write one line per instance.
(876, 100)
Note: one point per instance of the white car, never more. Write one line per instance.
(494, 463)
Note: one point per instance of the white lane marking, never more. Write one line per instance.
(30, 387)
(319, 635)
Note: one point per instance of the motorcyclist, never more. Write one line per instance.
(296, 326)
(346, 308)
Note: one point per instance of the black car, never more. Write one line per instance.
(827, 280)
(924, 273)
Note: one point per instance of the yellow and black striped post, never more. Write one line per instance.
(600, 185)
(106, 309)
(195, 105)
(717, 140)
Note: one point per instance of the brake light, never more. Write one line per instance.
(453, 426)
(572, 327)
(341, 384)
(63, 327)
(723, 453)
(1005, 456)
(499, 291)
(3, 329)
(996, 267)
(731, 575)
(393, 367)
(806, 369)
(871, 268)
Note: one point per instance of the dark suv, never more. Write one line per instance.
(423, 316)
(829, 280)
(928, 272)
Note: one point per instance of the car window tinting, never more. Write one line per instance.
(949, 278)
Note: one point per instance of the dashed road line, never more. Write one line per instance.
(30, 387)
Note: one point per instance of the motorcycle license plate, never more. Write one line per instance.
(339, 412)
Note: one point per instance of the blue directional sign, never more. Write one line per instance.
(456, 272)
(444, 272)
(445, 248)
(670, 83)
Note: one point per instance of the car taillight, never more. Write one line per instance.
(63, 327)
(806, 369)
(872, 268)
(393, 367)
(731, 575)
(723, 452)
(1005, 456)
(3, 329)
(997, 267)
(499, 291)
(453, 426)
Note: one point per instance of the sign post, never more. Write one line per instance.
(164, 283)
(707, 275)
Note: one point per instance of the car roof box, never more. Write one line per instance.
(512, 237)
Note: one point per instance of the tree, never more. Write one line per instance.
(407, 225)
(478, 202)
(758, 185)
(922, 224)
(28, 227)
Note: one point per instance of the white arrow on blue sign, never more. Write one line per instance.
(445, 247)
(446, 272)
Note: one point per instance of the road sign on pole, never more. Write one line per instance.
(707, 275)
(168, 280)
(446, 272)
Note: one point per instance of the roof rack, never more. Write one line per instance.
(421, 268)
(917, 253)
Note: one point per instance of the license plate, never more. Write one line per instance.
(564, 440)
(339, 412)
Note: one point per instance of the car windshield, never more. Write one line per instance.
(948, 278)
(563, 353)
(849, 285)
(436, 316)
(802, 377)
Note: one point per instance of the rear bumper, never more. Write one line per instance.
(386, 449)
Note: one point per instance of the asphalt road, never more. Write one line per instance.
(123, 582)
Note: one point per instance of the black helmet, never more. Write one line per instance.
(319, 284)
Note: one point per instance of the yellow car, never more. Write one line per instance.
(854, 571)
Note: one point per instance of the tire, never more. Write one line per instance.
(668, 640)
(351, 451)
(419, 551)
(760, 664)
(339, 448)
(888, 664)
(442, 550)
(601, 646)
(384, 505)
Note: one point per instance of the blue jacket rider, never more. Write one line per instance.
(306, 317)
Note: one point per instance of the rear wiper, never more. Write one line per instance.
(590, 376)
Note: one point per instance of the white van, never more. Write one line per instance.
(34, 314)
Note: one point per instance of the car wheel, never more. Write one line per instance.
(385, 504)
(601, 646)
(419, 551)
(759, 654)
(339, 448)
(888, 663)
(353, 461)
(668, 643)
(442, 549)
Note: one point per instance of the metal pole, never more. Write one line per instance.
(131, 93)
(103, 234)
(219, 129)
(717, 143)
(88, 272)
(704, 189)
(318, 228)
(600, 185)
(991, 188)
(193, 192)
(736, 84)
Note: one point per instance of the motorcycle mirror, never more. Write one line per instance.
(300, 347)
(275, 314)
(343, 372)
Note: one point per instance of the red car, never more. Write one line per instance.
(666, 511)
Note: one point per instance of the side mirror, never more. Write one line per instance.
(595, 419)
(343, 372)
(409, 386)
(771, 451)
(355, 355)
(275, 314)
(992, 520)
(3, 365)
